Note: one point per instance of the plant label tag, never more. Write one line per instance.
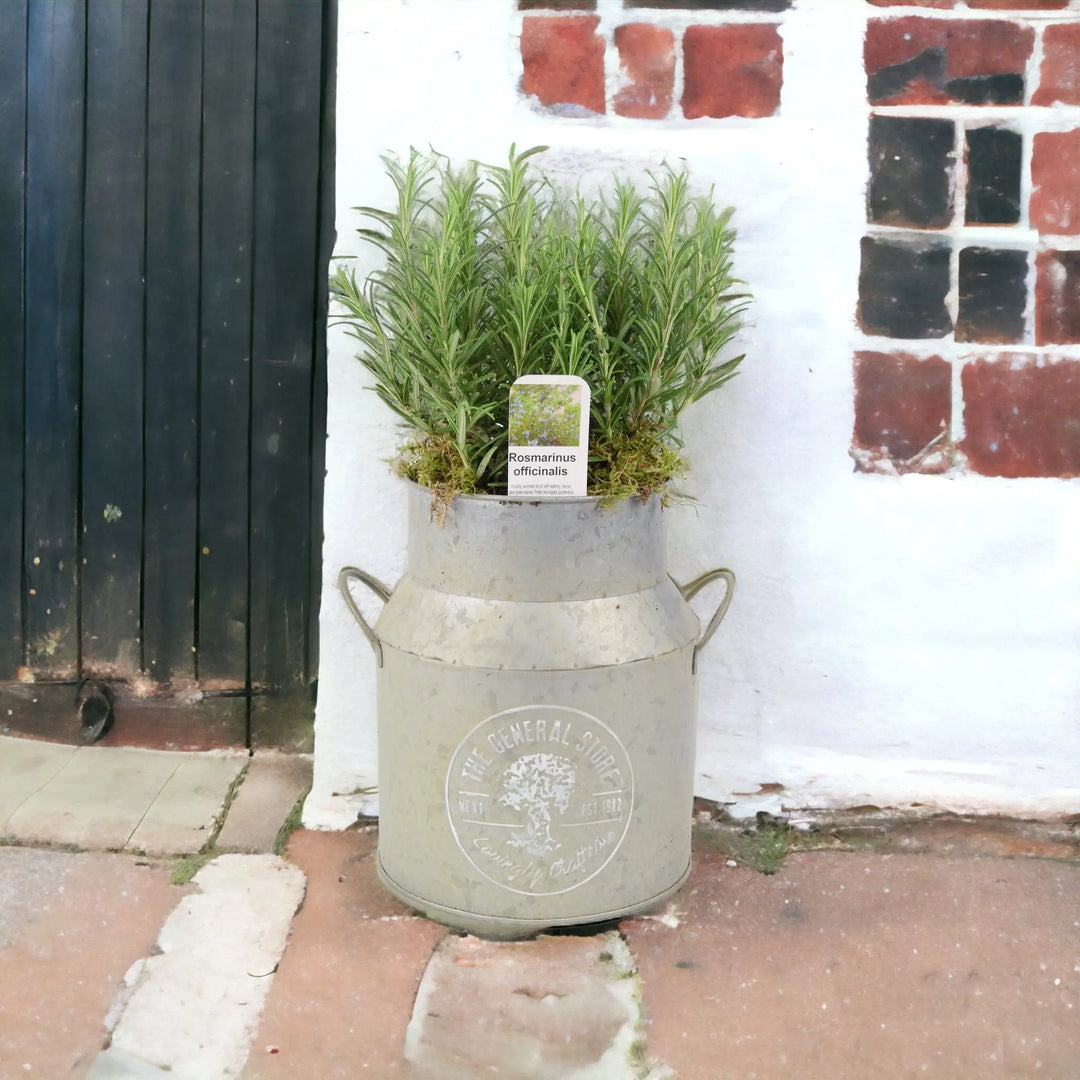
(549, 436)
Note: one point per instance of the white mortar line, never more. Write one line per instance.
(957, 428)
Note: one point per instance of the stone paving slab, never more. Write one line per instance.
(561, 1007)
(272, 784)
(116, 1064)
(110, 798)
(26, 766)
(96, 800)
(181, 818)
(191, 1008)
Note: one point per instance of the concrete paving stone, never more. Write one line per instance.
(556, 1008)
(115, 1064)
(342, 996)
(181, 818)
(26, 766)
(71, 924)
(197, 1000)
(96, 800)
(272, 784)
(847, 966)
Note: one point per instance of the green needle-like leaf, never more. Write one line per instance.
(490, 273)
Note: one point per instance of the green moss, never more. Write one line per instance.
(436, 463)
(629, 466)
(636, 1055)
(189, 866)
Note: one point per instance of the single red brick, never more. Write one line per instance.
(1057, 297)
(732, 70)
(921, 61)
(1055, 195)
(647, 60)
(1059, 76)
(711, 5)
(902, 405)
(563, 60)
(557, 5)
(1018, 5)
(1022, 416)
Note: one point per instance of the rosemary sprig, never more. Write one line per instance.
(491, 273)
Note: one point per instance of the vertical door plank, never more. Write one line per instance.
(113, 336)
(225, 340)
(327, 236)
(12, 210)
(54, 193)
(286, 245)
(174, 102)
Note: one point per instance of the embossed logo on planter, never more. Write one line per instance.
(539, 797)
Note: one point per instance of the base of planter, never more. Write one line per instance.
(501, 929)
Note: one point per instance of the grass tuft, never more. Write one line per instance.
(762, 847)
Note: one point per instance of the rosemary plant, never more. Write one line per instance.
(492, 273)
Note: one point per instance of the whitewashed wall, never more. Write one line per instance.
(894, 641)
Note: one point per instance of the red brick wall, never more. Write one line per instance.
(727, 69)
(969, 290)
(969, 285)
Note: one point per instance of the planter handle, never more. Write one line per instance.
(691, 590)
(351, 573)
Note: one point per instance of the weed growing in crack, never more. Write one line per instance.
(189, 866)
(290, 824)
(768, 844)
(763, 846)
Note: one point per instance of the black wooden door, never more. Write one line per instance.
(166, 206)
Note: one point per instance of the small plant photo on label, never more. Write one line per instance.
(543, 415)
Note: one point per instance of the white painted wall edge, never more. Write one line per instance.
(893, 640)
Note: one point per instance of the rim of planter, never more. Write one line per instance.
(561, 500)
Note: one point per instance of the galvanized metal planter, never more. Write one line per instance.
(537, 712)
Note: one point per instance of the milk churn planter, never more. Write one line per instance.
(536, 691)
(537, 712)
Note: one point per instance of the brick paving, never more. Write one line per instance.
(943, 947)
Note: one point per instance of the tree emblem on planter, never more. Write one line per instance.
(537, 784)
(539, 798)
